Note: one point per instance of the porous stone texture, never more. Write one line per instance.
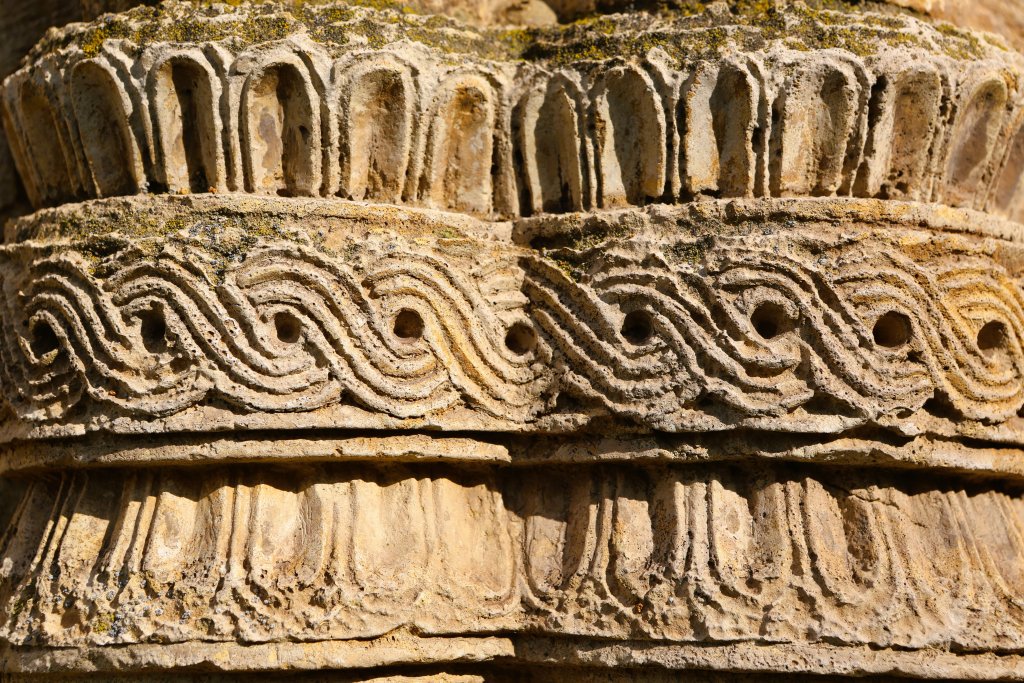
(349, 342)
(1002, 17)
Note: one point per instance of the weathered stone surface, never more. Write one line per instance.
(779, 316)
(23, 25)
(704, 107)
(501, 673)
(779, 555)
(1002, 17)
(650, 347)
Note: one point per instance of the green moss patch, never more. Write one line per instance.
(685, 30)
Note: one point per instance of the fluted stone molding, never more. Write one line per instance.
(642, 348)
(388, 113)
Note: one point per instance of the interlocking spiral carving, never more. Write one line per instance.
(153, 337)
(786, 331)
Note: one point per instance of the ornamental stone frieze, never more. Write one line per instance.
(353, 343)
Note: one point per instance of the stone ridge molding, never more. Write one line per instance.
(648, 556)
(708, 107)
(991, 464)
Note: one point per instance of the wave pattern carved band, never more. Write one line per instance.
(795, 329)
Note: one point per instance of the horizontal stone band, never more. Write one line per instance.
(653, 320)
(981, 462)
(777, 554)
(519, 123)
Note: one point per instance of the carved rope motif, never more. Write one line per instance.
(790, 333)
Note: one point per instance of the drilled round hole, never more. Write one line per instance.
(44, 339)
(892, 330)
(153, 329)
(770, 320)
(287, 327)
(992, 338)
(408, 325)
(521, 339)
(637, 327)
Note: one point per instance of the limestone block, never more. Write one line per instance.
(147, 315)
(353, 343)
(313, 557)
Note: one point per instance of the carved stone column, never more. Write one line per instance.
(360, 339)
